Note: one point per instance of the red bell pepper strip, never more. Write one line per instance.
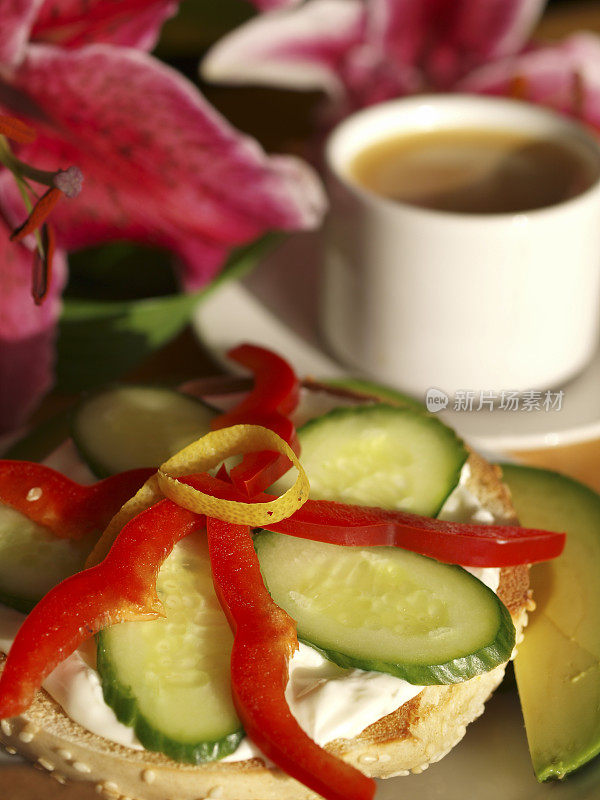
(468, 544)
(276, 386)
(120, 588)
(260, 470)
(264, 640)
(275, 395)
(68, 509)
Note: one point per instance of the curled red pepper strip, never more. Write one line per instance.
(68, 509)
(264, 640)
(120, 588)
(275, 394)
(276, 386)
(258, 471)
(468, 544)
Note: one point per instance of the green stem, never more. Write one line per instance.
(15, 166)
(20, 168)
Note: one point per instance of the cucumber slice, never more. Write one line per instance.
(386, 609)
(169, 678)
(125, 427)
(33, 560)
(379, 455)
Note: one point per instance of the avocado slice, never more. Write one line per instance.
(558, 663)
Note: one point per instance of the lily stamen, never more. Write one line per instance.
(518, 87)
(61, 182)
(42, 266)
(39, 214)
(17, 131)
(579, 92)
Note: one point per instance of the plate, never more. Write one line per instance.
(277, 306)
(491, 763)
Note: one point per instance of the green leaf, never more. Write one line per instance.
(121, 271)
(100, 341)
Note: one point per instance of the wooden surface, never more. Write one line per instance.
(581, 461)
(184, 358)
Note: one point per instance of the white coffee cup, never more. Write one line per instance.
(421, 298)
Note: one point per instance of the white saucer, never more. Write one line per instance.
(277, 306)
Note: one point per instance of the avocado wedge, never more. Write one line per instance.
(558, 663)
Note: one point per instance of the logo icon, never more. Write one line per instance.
(436, 400)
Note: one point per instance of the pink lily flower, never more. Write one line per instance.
(160, 165)
(26, 329)
(73, 23)
(361, 52)
(565, 78)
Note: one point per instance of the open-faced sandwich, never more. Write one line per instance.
(402, 572)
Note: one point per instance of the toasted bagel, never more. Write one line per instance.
(417, 734)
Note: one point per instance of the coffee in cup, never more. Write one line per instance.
(474, 171)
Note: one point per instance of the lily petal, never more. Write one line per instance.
(497, 28)
(373, 49)
(27, 331)
(445, 39)
(17, 19)
(301, 48)
(564, 77)
(131, 23)
(161, 166)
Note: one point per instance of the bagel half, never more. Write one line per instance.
(417, 734)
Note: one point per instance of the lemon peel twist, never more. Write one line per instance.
(204, 454)
(208, 452)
